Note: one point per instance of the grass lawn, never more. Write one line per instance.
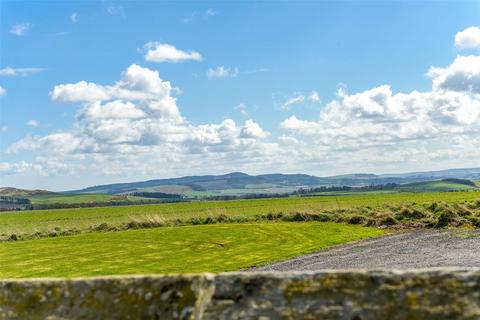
(28, 222)
(186, 249)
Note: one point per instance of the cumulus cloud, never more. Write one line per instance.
(135, 126)
(162, 52)
(9, 71)
(2, 91)
(137, 83)
(462, 75)
(468, 38)
(20, 29)
(252, 129)
(379, 117)
(138, 117)
(222, 72)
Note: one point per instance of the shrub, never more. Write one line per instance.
(447, 217)
(463, 211)
(410, 213)
(475, 221)
(387, 220)
(13, 237)
(357, 219)
(100, 227)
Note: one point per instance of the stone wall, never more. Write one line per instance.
(352, 295)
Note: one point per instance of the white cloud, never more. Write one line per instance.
(137, 117)
(9, 71)
(314, 97)
(222, 72)
(297, 99)
(242, 108)
(378, 117)
(2, 91)
(33, 123)
(19, 167)
(74, 17)
(20, 29)
(300, 98)
(133, 128)
(462, 75)
(162, 52)
(468, 38)
(252, 129)
(80, 91)
(3, 129)
(137, 83)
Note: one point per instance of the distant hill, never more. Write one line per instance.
(234, 180)
(468, 173)
(444, 185)
(238, 182)
(9, 191)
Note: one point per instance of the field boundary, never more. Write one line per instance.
(420, 294)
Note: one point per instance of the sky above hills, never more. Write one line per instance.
(112, 91)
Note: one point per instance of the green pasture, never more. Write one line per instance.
(185, 249)
(80, 198)
(28, 222)
(435, 186)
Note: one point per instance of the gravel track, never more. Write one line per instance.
(416, 249)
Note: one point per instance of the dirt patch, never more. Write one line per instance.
(416, 249)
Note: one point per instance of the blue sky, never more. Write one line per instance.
(314, 87)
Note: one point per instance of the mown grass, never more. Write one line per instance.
(186, 249)
(84, 219)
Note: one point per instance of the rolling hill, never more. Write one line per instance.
(444, 185)
(272, 183)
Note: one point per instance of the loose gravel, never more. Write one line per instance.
(416, 249)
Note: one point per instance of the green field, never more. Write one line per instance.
(186, 249)
(81, 198)
(435, 186)
(28, 222)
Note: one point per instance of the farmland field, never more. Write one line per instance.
(213, 248)
(80, 198)
(25, 222)
(435, 186)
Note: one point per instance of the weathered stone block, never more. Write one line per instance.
(422, 294)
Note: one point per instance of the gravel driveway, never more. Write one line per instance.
(417, 249)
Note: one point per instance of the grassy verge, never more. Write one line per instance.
(212, 248)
